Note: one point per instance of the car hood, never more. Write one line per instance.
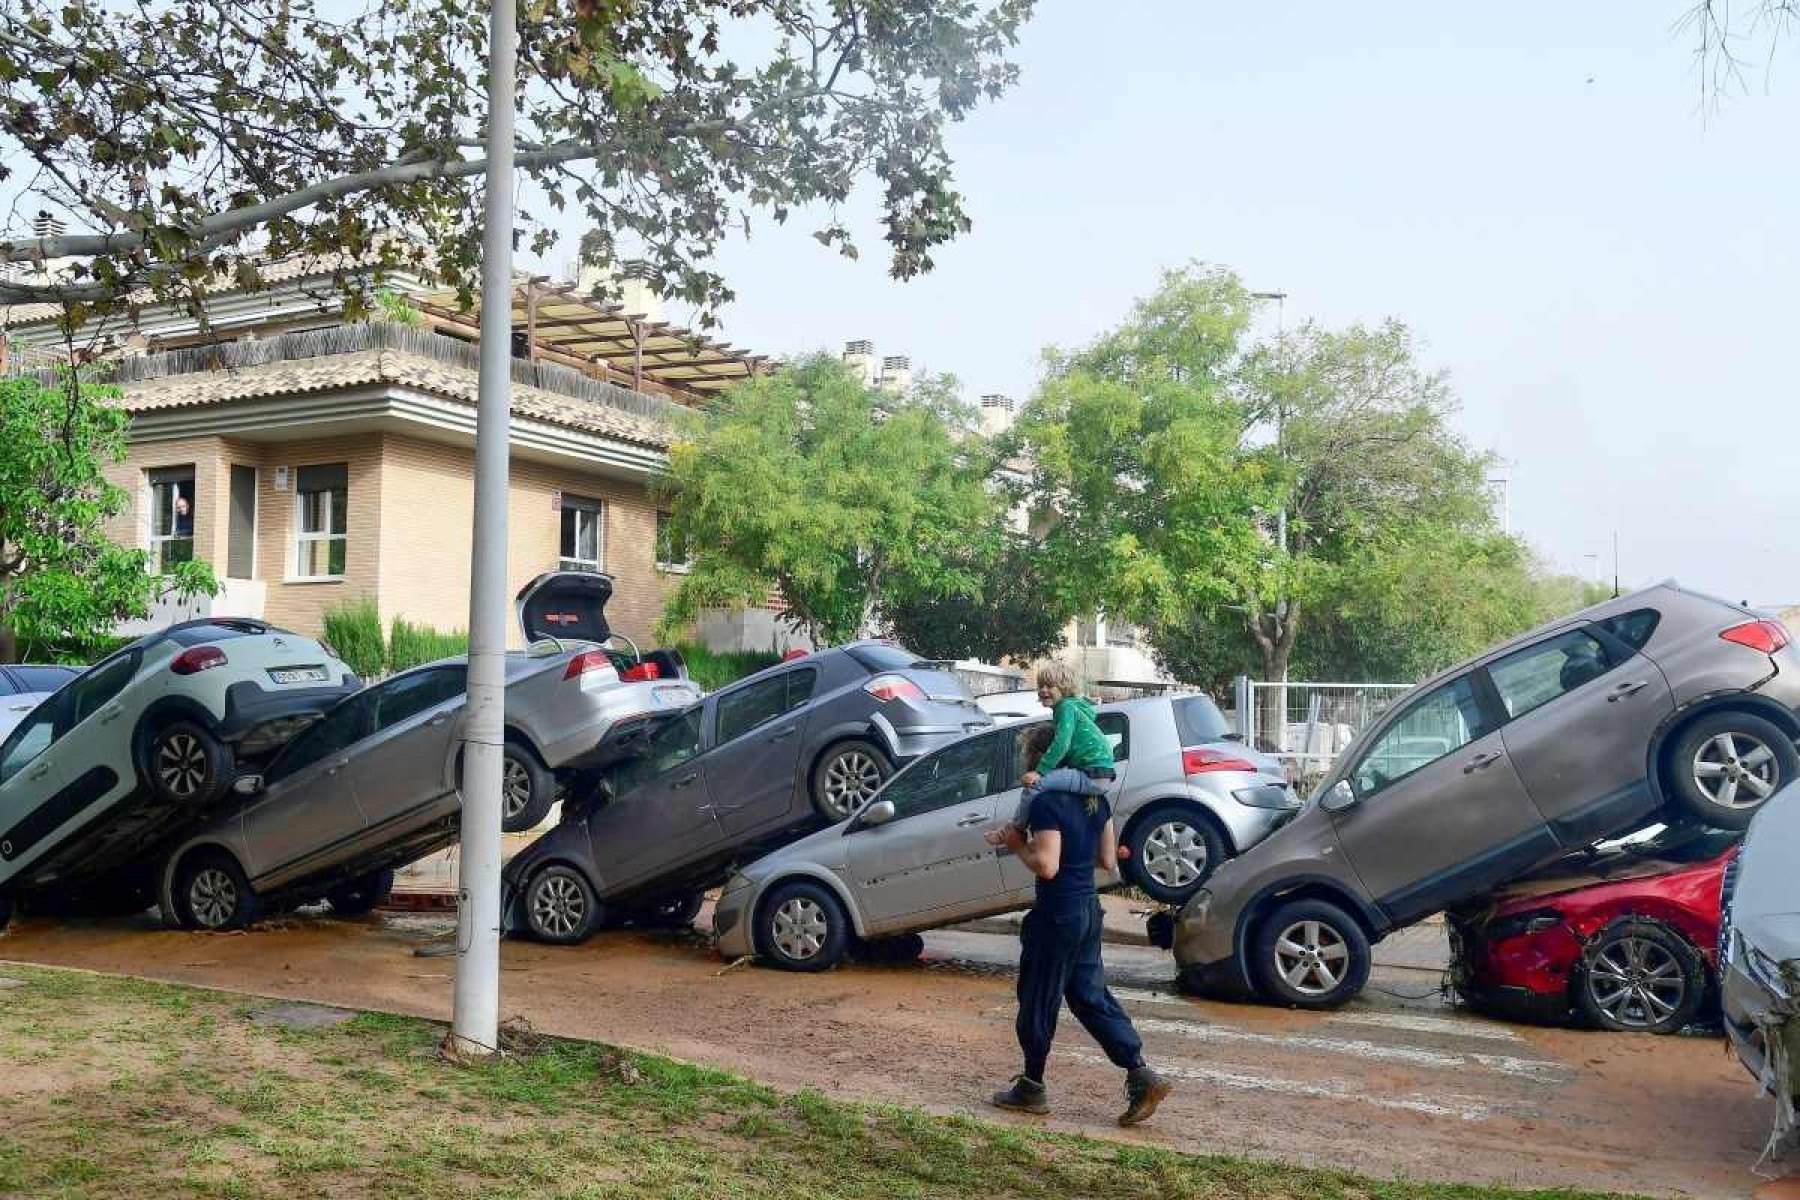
(825, 848)
(565, 605)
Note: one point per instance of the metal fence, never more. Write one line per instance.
(1307, 725)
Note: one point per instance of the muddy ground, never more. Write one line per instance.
(1395, 1084)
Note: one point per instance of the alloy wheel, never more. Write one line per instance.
(1735, 770)
(1312, 957)
(515, 786)
(1636, 982)
(1175, 854)
(557, 906)
(181, 764)
(799, 928)
(850, 780)
(213, 897)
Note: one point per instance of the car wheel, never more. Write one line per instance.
(362, 895)
(560, 906)
(212, 892)
(1173, 851)
(898, 948)
(846, 777)
(1725, 765)
(187, 765)
(1310, 954)
(1639, 977)
(802, 927)
(675, 913)
(527, 788)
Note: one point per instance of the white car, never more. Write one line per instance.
(149, 737)
(24, 687)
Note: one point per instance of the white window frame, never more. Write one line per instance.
(154, 541)
(667, 566)
(303, 538)
(595, 510)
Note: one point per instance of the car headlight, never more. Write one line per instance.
(1765, 969)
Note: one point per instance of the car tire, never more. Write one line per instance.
(185, 764)
(528, 788)
(1639, 977)
(677, 912)
(1309, 954)
(212, 893)
(802, 927)
(363, 895)
(561, 907)
(846, 777)
(1174, 850)
(894, 949)
(1723, 766)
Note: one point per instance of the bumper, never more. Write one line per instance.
(731, 923)
(1543, 1008)
(910, 728)
(259, 719)
(1221, 980)
(1764, 1029)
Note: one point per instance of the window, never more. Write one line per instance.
(761, 702)
(671, 551)
(1633, 628)
(407, 697)
(1198, 721)
(954, 775)
(1444, 721)
(41, 679)
(1120, 633)
(344, 726)
(88, 694)
(321, 507)
(33, 736)
(1533, 677)
(673, 743)
(877, 657)
(171, 517)
(583, 534)
(1116, 728)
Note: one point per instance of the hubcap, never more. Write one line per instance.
(799, 928)
(1175, 854)
(181, 764)
(557, 906)
(849, 782)
(1312, 957)
(515, 785)
(1636, 982)
(1735, 770)
(213, 898)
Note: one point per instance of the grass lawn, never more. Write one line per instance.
(112, 1087)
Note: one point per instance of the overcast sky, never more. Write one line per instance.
(1607, 270)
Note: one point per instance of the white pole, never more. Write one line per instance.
(475, 1027)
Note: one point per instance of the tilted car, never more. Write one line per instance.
(916, 858)
(1623, 937)
(24, 687)
(149, 738)
(1663, 701)
(753, 766)
(1760, 953)
(375, 784)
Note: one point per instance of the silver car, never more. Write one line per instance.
(1759, 955)
(916, 857)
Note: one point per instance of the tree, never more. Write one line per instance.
(1014, 613)
(63, 583)
(837, 495)
(188, 140)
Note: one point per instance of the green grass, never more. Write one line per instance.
(213, 1105)
(354, 631)
(714, 669)
(412, 645)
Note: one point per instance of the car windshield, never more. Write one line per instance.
(211, 632)
(878, 657)
(1198, 720)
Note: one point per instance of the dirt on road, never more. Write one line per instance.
(1395, 1084)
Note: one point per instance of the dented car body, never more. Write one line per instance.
(1760, 945)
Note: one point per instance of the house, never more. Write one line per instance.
(314, 460)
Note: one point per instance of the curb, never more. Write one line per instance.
(1009, 926)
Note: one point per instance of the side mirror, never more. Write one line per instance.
(878, 813)
(1339, 797)
(247, 785)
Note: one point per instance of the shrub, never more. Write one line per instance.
(713, 669)
(412, 645)
(354, 631)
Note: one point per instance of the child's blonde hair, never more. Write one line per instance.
(1059, 676)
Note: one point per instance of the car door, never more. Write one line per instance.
(1021, 884)
(29, 784)
(758, 730)
(932, 860)
(1440, 813)
(1581, 708)
(308, 805)
(661, 815)
(399, 767)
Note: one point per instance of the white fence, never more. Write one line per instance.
(1316, 721)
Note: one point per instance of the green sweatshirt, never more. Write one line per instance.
(1078, 742)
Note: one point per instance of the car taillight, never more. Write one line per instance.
(893, 687)
(1766, 636)
(196, 659)
(1200, 760)
(587, 660)
(641, 673)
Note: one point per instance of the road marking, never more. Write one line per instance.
(1449, 1026)
(1417, 1056)
(1465, 1109)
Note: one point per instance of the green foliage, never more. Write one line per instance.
(839, 495)
(354, 631)
(411, 645)
(1015, 613)
(714, 669)
(63, 583)
(391, 306)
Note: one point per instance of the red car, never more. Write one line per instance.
(1625, 938)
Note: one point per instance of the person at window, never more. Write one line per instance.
(184, 517)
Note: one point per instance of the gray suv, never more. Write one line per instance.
(1663, 703)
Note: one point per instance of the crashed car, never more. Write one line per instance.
(754, 766)
(1590, 727)
(149, 738)
(1760, 945)
(24, 687)
(1623, 937)
(374, 784)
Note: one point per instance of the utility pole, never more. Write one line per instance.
(1281, 517)
(475, 1027)
(1615, 564)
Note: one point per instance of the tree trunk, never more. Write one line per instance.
(9, 645)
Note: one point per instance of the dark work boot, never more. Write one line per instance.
(1023, 1095)
(1144, 1090)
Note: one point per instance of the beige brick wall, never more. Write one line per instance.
(211, 493)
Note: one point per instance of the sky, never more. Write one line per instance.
(1604, 265)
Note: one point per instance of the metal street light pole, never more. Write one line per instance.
(476, 1024)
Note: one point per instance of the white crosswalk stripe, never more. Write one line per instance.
(1417, 1056)
(1419, 1023)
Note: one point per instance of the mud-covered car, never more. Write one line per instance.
(1760, 945)
(1623, 937)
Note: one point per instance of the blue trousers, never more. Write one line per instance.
(1060, 960)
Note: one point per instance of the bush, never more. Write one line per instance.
(713, 669)
(354, 631)
(412, 645)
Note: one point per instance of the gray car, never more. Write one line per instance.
(374, 784)
(1660, 703)
(917, 858)
(1759, 955)
(754, 766)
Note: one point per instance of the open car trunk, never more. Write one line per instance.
(569, 606)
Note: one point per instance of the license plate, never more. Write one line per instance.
(299, 675)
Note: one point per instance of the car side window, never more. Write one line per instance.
(7, 685)
(341, 728)
(673, 743)
(1532, 677)
(1117, 729)
(748, 707)
(1633, 628)
(407, 698)
(41, 679)
(1021, 757)
(34, 735)
(90, 693)
(956, 774)
(800, 686)
(1440, 723)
